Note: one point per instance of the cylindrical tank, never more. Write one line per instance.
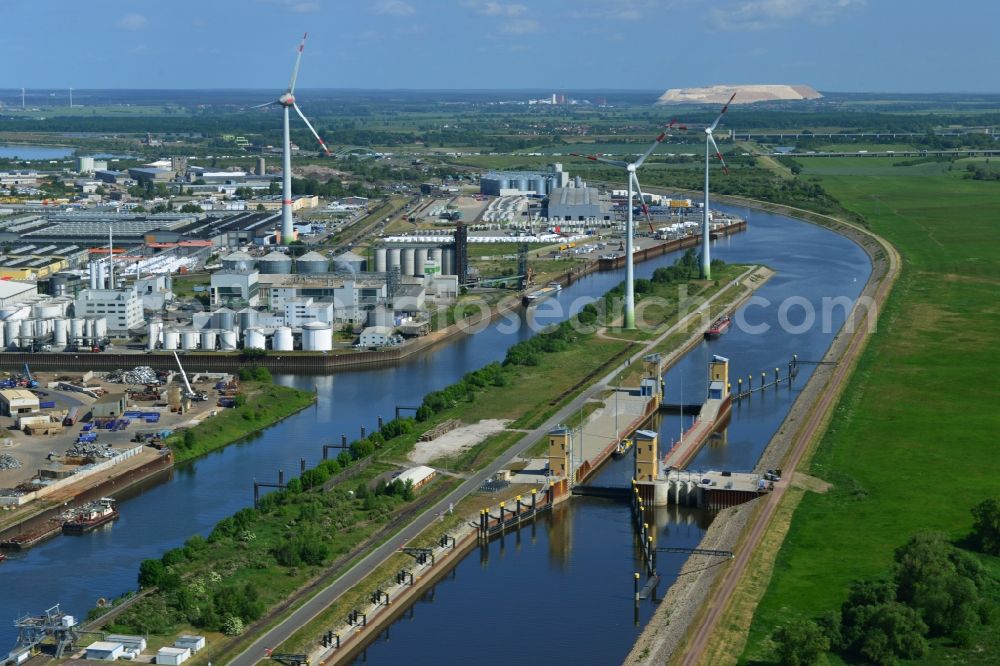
(88, 329)
(393, 258)
(48, 310)
(261, 166)
(419, 259)
(434, 254)
(551, 184)
(238, 261)
(76, 329)
(254, 338)
(208, 337)
(27, 331)
(227, 340)
(282, 340)
(58, 284)
(246, 318)
(223, 318)
(538, 185)
(275, 263)
(311, 263)
(153, 333)
(3, 337)
(577, 182)
(504, 183)
(101, 327)
(448, 261)
(94, 273)
(41, 328)
(189, 339)
(380, 260)
(170, 339)
(7, 312)
(12, 328)
(317, 336)
(60, 330)
(406, 261)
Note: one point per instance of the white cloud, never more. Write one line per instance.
(498, 9)
(303, 7)
(763, 14)
(394, 8)
(520, 27)
(133, 22)
(622, 10)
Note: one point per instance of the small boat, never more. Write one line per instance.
(541, 294)
(3, 557)
(24, 541)
(622, 448)
(718, 327)
(91, 516)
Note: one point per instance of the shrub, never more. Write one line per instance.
(986, 526)
(800, 642)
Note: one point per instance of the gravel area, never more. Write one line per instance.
(456, 441)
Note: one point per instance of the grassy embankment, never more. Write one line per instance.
(911, 446)
(265, 405)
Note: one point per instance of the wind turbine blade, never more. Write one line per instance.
(603, 160)
(311, 129)
(673, 123)
(650, 150)
(642, 198)
(298, 59)
(718, 154)
(722, 113)
(261, 106)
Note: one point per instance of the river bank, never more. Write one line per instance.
(799, 432)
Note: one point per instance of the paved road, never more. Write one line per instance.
(718, 602)
(304, 614)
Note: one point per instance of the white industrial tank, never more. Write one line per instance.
(380, 260)
(170, 339)
(60, 331)
(189, 339)
(282, 340)
(101, 327)
(406, 261)
(12, 328)
(392, 258)
(76, 329)
(153, 333)
(208, 338)
(227, 340)
(47, 310)
(419, 258)
(317, 336)
(254, 339)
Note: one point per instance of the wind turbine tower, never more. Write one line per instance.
(706, 259)
(22, 99)
(287, 101)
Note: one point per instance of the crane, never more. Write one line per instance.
(191, 393)
(32, 382)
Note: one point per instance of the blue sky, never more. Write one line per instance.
(833, 45)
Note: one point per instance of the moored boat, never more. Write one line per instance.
(91, 516)
(718, 327)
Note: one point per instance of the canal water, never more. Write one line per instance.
(584, 587)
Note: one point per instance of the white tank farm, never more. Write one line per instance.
(254, 339)
(208, 338)
(406, 261)
(317, 336)
(101, 327)
(170, 339)
(76, 329)
(189, 339)
(227, 340)
(419, 258)
(12, 328)
(60, 332)
(392, 258)
(48, 310)
(381, 255)
(282, 340)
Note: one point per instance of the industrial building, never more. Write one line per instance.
(15, 292)
(578, 203)
(513, 183)
(17, 401)
(121, 308)
(109, 405)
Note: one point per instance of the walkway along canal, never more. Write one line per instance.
(577, 570)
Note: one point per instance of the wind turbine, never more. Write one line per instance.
(633, 180)
(706, 260)
(287, 101)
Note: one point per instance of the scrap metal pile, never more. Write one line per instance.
(139, 375)
(90, 450)
(8, 461)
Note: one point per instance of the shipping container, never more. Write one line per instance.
(47, 404)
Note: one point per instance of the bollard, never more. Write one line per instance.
(739, 386)
(501, 514)
(518, 498)
(635, 586)
(534, 497)
(775, 375)
(281, 477)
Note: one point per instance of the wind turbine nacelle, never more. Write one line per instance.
(287, 99)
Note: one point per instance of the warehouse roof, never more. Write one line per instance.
(12, 395)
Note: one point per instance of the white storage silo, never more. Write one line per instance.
(75, 331)
(434, 254)
(189, 339)
(60, 331)
(12, 328)
(227, 340)
(275, 263)
(282, 340)
(208, 338)
(170, 339)
(27, 331)
(101, 327)
(406, 261)
(47, 310)
(41, 329)
(317, 336)
(393, 258)
(419, 259)
(153, 333)
(448, 261)
(223, 319)
(311, 263)
(380, 260)
(254, 339)
(3, 337)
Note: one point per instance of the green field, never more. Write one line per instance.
(912, 444)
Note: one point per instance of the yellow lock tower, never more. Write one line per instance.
(560, 446)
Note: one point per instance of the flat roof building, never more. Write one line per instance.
(121, 307)
(578, 203)
(17, 401)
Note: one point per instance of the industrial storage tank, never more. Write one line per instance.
(223, 319)
(76, 330)
(448, 261)
(3, 338)
(380, 260)
(406, 261)
(522, 184)
(49, 310)
(504, 183)
(254, 338)
(170, 339)
(88, 329)
(208, 338)
(60, 332)
(101, 327)
(11, 328)
(227, 340)
(238, 261)
(539, 186)
(153, 333)
(58, 284)
(275, 263)
(246, 318)
(348, 261)
(27, 331)
(282, 340)
(434, 254)
(189, 339)
(311, 263)
(419, 259)
(393, 258)
(41, 329)
(317, 336)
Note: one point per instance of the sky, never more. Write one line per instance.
(832, 45)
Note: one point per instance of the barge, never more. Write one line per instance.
(91, 516)
(718, 327)
(538, 295)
